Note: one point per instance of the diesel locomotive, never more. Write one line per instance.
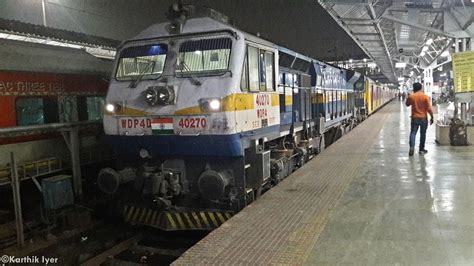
(204, 117)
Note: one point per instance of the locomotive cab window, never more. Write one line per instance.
(143, 62)
(204, 57)
(36, 111)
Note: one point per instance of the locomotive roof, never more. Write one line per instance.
(208, 24)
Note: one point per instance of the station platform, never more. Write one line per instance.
(362, 201)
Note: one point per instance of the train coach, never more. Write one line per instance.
(38, 99)
(204, 117)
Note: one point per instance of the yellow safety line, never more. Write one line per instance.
(213, 219)
(219, 215)
(142, 216)
(204, 218)
(180, 221)
(196, 218)
(137, 213)
(130, 213)
(148, 216)
(153, 218)
(227, 214)
(170, 219)
(191, 224)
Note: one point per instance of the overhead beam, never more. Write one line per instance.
(365, 33)
(346, 2)
(360, 20)
(336, 18)
(417, 26)
(373, 15)
(421, 9)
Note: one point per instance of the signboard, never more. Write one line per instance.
(463, 67)
(28, 84)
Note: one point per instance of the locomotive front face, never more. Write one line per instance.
(168, 88)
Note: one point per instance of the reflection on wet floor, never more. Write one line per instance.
(404, 210)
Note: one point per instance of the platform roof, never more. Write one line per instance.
(384, 31)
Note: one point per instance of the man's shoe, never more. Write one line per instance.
(412, 150)
(423, 151)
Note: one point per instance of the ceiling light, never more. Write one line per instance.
(445, 53)
(429, 41)
(351, 60)
(425, 48)
(401, 79)
(400, 65)
(365, 60)
(423, 53)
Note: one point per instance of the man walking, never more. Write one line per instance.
(420, 107)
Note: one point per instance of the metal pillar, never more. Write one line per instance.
(76, 161)
(71, 136)
(17, 201)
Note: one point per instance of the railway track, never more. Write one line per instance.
(121, 244)
(148, 247)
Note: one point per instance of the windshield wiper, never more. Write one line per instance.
(194, 80)
(148, 67)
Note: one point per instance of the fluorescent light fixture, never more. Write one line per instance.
(401, 79)
(423, 53)
(400, 65)
(429, 41)
(445, 53)
(425, 48)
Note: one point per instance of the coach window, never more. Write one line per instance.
(90, 108)
(253, 68)
(269, 71)
(36, 111)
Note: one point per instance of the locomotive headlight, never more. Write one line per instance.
(215, 104)
(210, 104)
(110, 108)
(160, 95)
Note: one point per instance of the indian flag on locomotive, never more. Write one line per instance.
(162, 126)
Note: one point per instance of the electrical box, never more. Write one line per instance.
(57, 192)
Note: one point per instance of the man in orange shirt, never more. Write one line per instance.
(420, 108)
